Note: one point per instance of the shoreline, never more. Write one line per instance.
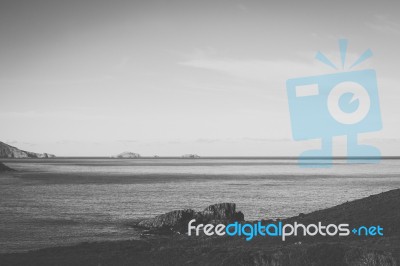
(267, 196)
(382, 208)
(204, 158)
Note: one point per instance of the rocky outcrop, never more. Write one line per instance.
(177, 220)
(5, 168)
(191, 156)
(222, 212)
(7, 151)
(127, 155)
(174, 220)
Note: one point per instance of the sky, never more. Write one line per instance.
(96, 78)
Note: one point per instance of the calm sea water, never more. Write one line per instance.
(65, 201)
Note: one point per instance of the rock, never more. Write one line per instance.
(191, 156)
(174, 220)
(225, 212)
(4, 168)
(127, 155)
(178, 220)
(7, 151)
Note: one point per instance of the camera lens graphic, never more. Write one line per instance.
(348, 103)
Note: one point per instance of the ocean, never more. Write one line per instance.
(54, 202)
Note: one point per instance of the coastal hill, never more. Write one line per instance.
(7, 151)
(127, 155)
(180, 249)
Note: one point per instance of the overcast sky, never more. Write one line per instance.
(174, 77)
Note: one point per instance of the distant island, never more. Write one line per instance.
(7, 151)
(191, 156)
(133, 155)
(127, 155)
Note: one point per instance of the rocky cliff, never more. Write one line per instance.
(7, 151)
(177, 220)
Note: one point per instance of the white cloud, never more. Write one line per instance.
(384, 24)
(259, 70)
(55, 115)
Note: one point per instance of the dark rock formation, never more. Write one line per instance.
(178, 220)
(174, 220)
(7, 151)
(222, 212)
(4, 168)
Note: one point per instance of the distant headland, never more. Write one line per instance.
(7, 151)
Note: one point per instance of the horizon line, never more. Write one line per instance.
(222, 157)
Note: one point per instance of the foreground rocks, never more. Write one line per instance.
(177, 220)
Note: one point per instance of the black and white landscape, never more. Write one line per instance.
(121, 120)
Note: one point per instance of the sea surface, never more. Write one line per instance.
(54, 202)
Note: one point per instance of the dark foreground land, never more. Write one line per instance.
(179, 249)
(4, 168)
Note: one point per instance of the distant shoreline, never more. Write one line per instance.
(214, 157)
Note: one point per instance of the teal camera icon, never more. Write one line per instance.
(325, 106)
